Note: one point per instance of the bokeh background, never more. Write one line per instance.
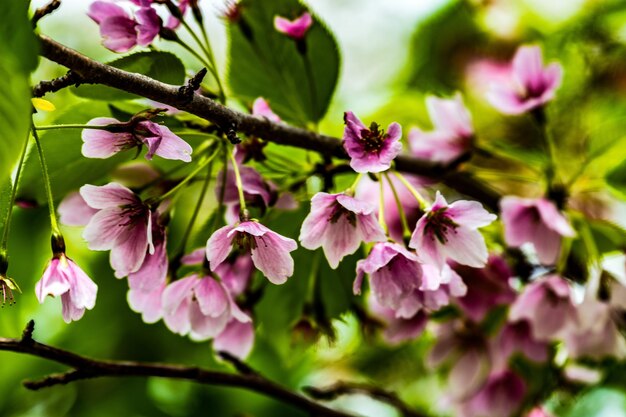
(393, 54)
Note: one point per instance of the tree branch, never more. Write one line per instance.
(87, 368)
(347, 388)
(230, 120)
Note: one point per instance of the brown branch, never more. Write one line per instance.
(87, 368)
(231, 121)
(44, 11)
(347, 388)
(52, 86)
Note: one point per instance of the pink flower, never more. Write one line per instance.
(123, 224)
(546, 303)
(486, 287)
(370, 150)
(339, 224)
(397, 329)
(74, 211)
(596, 335)
(535, 221)
(501, 396)
(270, 251)
(237, 339)
(119, 31)
(157, 138)
(63, 277)
(532, 85)
(517, 338)
(153, 271)
(469, 356)
(453, 133)
(256, 192)
(261, 108)
(394, 273)
(295, 29)
(199, 306)
(147, 302)
(449, 232)
(235, 272)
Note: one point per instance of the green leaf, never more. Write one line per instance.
(162, 66)
(600, 402)
(18, 59)
(270, 66)
(616, 179)
(69, 169)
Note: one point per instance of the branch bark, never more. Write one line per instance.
(83, 368)
(230, 120)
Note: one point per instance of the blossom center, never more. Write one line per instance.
(338, 211)
(373, 138)
(439, 224)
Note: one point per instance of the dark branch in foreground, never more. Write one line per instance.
(87, 368)
(52, 86)
(95, 72)
(347, 388)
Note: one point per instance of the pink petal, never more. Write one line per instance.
(272, 257)
(470, 214)
(466, 247)
(177, 292)
(101, 143)
(219, 246)
(52, 282)
(70, 311)
(74, 211)
(148, 303)
(295, 29)
(100, 10)
(173, 147)
(205, 327)
(211, 297)
(153, 271)
(237, 339)
(129, 251)
(110, 195)
(149, 25)
(104, 228)
(261, 108)
(118, 33)
(469, 373)
(528, 67)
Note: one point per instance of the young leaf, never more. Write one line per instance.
(162, 66)
(19, 58)
(266, 63)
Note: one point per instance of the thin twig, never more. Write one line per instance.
(232, 121)
(348, 388)
(52, 86)
(83, 368)
(44, 11)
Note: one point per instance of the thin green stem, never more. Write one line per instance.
(406, 231)
(70, 126)
(206, 48)
(352, 188)
(311, 78)
(199, 57)
(242, 199)
(7, 222)
(196, 211)
(381, 206)
(185, 180)
(220, 206)
(422, 202)
(54, 225)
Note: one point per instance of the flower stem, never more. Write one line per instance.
(352, 188)
(185, 180)
(54, 225)
(209, 54)
(196, 211)
(242, 199)
(311, 79)
(422, 202)
(70, 126)
(381, 206)
(406, 231)
(7, 222)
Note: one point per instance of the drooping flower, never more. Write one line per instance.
(64, 278)
(501, 396)
(531, 85)
(120, 32)
(295, 29)
(339, 223)
(547, 304)
(373, 149)
(397, 329)
(237, 339)
(270, 251)
(450, 232)
(123, 225)
(536, 221)
(452, 135)
(7, 286)
(159, 139)
(486, 287)
(74, 211)
(394, 273)
(199, 306)
(517, 338)
(261, 108)
(596, 335)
